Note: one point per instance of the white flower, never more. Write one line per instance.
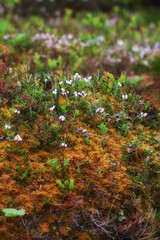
(60, 83)
(135, 48)
(62, 118)
(52, 108)
(6, 37)
(63, 145)
(69, 82)
(84, 93)
(119, 84)
(46, 80)
(17, 138)
(120, 42)
(7, 126)
(101, 110)
(64, 92)
(54, 91)
(10, 70)
(77, 76)
(70, 36)
(143, 114)
(17, 111)
(124, 97)
(87, 79)
(145, 62)
(75, 94)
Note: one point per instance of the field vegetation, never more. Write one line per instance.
(79, 130)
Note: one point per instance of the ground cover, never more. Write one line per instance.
(80, 155)
(79, 148)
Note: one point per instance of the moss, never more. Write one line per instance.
(108, 179)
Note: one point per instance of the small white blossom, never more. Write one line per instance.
(120, 42)
(10, 69)
(101, 110)
(62, 118)
(145, 62)
(135, 48)
(54, 91)
(60, 83)
(69, 82)
(52, 108)
(17, 111)
(63, 145)
(87, 79)
(84, 93)
(124, 97)
(64, 92)
(75, 94)
(17, 138)
(77, 76)
(7, 126)
(46, 80)
(143, 114)
(70, 36)
(119, 84)
(6, 37)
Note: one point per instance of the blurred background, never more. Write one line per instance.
(85, 36)
(50, 6)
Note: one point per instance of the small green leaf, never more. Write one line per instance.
(76, 112)
(11, 212)
(60, 184)
(71, 184)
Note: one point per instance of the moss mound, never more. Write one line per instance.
(79, 154)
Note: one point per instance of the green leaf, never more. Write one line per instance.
(65, 164)
(53, 162)
(11, 212)
(76, 112)
(52, 63)
(60, 184)
(19, 39)
(71, 184)
(103, 128)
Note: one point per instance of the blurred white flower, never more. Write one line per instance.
(69, 82)
(6, 37)
(75, 94)
(62, 118)
(17, 138)
(7, 126)
(144, 114)
(120, 42)
(77, 76)
(124, 97)
(52, 108)
(101, 110)
(17, 111)
(135, 48)
(63, 145)
(54, 91)
(87, 79)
